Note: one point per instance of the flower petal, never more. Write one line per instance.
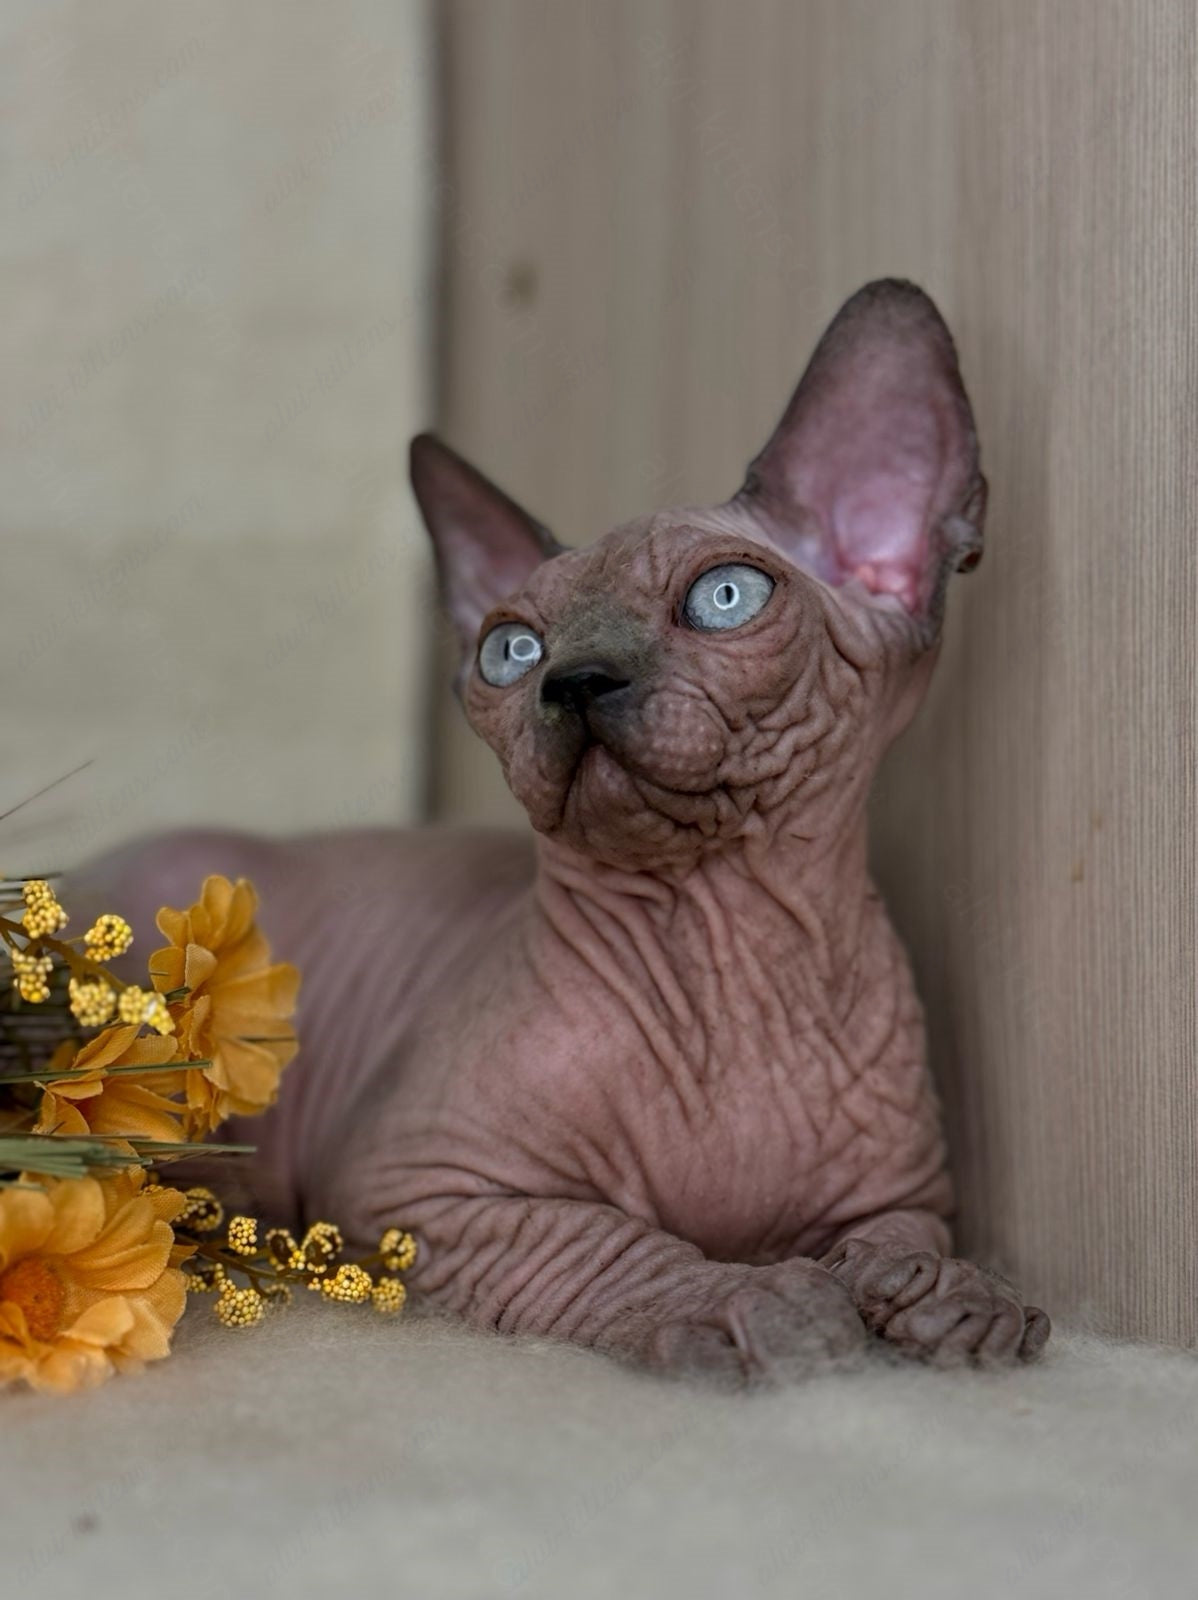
(14, 1330)
(107, 1048)
(58, 1115)
(172, 925)
(67, 1366)
(256, 999)
(155, 1314)
(130, 1254)
(104, 1323)
(26, 1217)
(166, 966)
(248, 1071)
(250, 954)
(199, 966)
(78, 1216)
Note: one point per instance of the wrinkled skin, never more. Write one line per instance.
(656, 1084)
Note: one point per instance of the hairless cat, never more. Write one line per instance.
(658, 1084)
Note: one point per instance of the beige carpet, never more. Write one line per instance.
(332, 1451)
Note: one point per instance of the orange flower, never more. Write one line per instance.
(125, 1104)
(235, 1013)
(89, 1279)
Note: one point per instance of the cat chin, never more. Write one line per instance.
(600, 786)
(622, 817)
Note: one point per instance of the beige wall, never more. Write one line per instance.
(653, 207)
(216, 230)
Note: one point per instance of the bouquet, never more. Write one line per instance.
(104, 1086)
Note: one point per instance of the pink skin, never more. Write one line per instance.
(658, 1084)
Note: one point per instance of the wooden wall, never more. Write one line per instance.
(651, 209)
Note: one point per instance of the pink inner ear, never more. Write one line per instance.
(870, 471)
(877, 512)
(871, 476)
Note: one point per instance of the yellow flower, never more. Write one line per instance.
(96, 1103)
(89, 1280)
(235, 1014)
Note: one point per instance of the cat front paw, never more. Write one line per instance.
(937, 1308)
(774, 1324)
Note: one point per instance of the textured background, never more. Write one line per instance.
(654, 207)
(215, 224)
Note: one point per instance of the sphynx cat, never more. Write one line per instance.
(657, 1085)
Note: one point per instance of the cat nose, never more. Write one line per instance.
(577, 687)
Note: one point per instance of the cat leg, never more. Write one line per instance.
(588, 1273)
(927, 1303)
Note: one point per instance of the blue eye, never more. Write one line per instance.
(508, 652)
(726, 597)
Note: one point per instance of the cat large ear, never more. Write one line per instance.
(872, 473)
(486, 546)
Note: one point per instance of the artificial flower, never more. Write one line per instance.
(97, 1103)
(235, 1011)
(89, 1279)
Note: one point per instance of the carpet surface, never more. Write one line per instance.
(333, 1451)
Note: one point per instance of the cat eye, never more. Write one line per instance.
(509, 651)
(726, 597)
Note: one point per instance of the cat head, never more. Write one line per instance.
(702, 675)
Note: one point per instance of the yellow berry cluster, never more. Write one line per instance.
(279, 1259)
(92, 996)
(203, 1212)
(43, 914)
(398, 1250)
(143, 1005)
(239, 1308)
(30, 976)
(242, 1236)
(389, 1296)
(350, 1283)
(321, 1246)
(283, 1250)
(92, 1001)
(108, 937)
(204, 1277)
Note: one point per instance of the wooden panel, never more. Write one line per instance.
(652, 210)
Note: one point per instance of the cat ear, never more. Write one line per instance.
(872, 474)
(486, 546)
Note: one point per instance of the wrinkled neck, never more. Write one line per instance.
(776, 894)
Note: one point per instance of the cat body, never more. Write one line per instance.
(657, 1083)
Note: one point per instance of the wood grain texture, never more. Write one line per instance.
(651, 211)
